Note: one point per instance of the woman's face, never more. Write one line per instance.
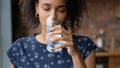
(55, 8)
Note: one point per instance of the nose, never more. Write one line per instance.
(54, 15)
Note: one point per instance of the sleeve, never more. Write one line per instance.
(9, 54)
(12, 51)
(89, 47)
(85, 45)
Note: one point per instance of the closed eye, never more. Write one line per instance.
(62, 8)
(46, 8)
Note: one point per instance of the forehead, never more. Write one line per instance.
(53, 2)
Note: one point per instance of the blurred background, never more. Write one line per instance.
(101, 23)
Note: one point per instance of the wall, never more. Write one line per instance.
(102, 14)
(5, 32)
(0, 38)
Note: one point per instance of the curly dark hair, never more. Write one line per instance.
(75, 10)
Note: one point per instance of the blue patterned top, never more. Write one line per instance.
(27, 52)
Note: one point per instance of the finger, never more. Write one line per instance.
(59, 38)
(66, 38)
(56, 32)
(56, 27)
(69, 30)
(64, 45)
(54, 39)
(60, 32)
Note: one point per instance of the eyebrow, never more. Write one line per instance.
(50, 5)
(62, 6)
(46, 4)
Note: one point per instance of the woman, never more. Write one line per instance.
(30, 52)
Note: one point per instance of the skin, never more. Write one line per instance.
(58, 11)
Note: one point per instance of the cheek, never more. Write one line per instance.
(62, 17)
(42, 18)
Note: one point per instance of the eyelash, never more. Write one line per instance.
(46, 9)
(59, 10)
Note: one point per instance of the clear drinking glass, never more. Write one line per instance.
(51, 45)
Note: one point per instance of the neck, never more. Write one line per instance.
(41, 37)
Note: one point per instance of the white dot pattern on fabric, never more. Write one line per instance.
(46, 66)
(20, 67)
(50, 55)
(79, 47)
(23, 59)
(29, 39)
(23, 38)
(37, 65)
(41, 45)
(44, 50)
(89, 44)
(33, 47)
(41, 57)
(18, 44)
(25, 45)
(29, 53)
(32, 42)
(28, 63)
(60, 61)
(68, 61)
(87, 52)
(52, 63)
(36, 55)
(21, 52)
(31, 59)
(17, 54)
(85, 39)
(58, 56)
(79, 40)
(14, 48)
(84, 51)
(14, 54)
